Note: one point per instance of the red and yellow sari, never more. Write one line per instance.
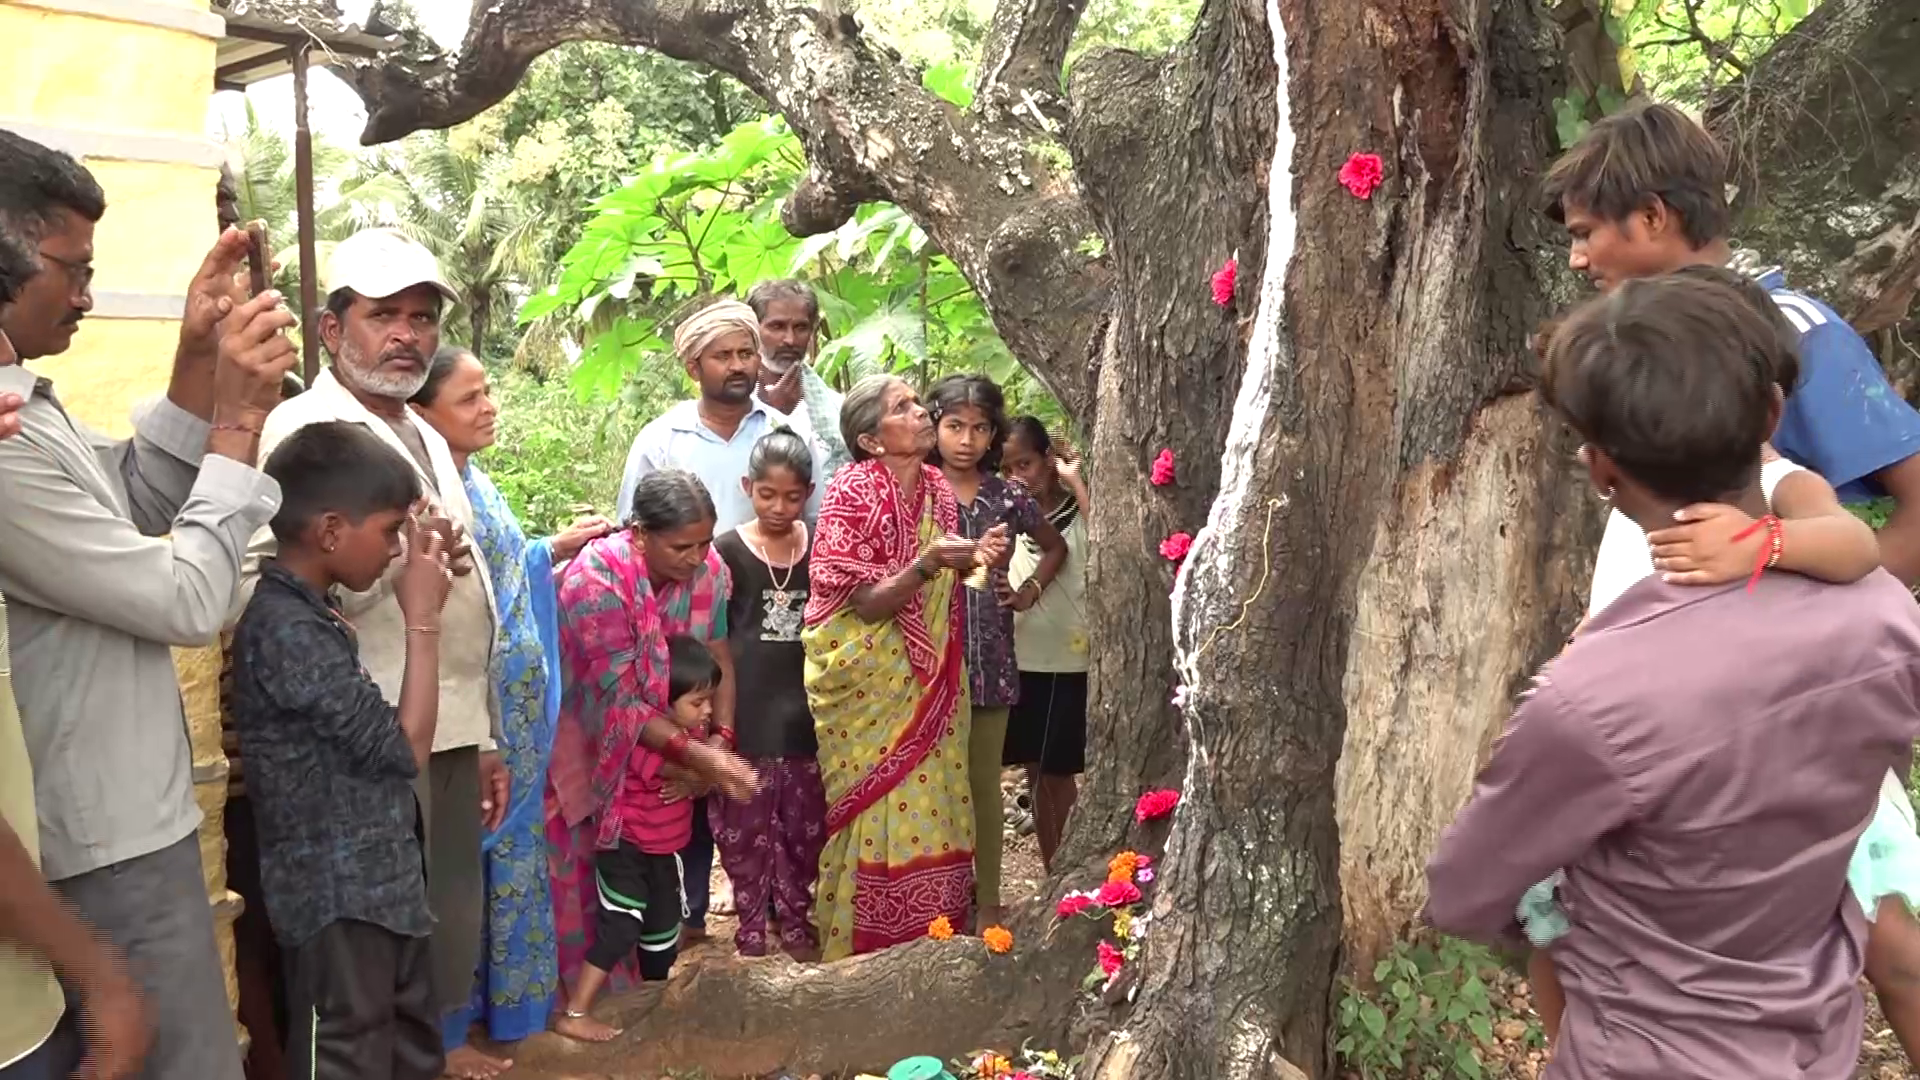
(889, 703)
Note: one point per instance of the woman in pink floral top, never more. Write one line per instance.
(620, 598)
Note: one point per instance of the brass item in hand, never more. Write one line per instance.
(979, 579)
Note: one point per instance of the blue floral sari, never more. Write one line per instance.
(518, 976)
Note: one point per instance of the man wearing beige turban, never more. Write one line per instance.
(710, 437)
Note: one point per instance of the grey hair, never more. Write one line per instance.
(763, 296)
(862, 409)
(669, 499)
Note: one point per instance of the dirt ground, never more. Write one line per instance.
(1021, 877)
(1880, 1055)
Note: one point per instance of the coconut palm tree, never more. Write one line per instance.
(454, 199)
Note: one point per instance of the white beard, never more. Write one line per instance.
(381, 384)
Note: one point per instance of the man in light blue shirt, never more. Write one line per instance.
(712, 435)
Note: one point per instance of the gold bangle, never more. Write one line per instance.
(423, 629)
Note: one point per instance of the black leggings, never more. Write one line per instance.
(640, 909)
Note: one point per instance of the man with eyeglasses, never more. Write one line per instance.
(110, 553)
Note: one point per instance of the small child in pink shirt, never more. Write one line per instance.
(642, 896)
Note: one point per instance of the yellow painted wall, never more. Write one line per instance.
(81, 72)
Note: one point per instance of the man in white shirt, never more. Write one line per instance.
(381, 325)
(789, 314)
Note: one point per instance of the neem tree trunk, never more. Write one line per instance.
(1389, 535)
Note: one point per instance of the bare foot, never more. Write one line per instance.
(804, 954)
(584, 1028)
(466, 1063)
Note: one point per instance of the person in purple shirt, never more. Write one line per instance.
(1701, 760)
(1644, 192)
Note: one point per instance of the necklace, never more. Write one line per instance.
(782, 597)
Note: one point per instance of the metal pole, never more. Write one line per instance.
(303, 198)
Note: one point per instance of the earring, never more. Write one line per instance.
(1607, 495)
(326, 547)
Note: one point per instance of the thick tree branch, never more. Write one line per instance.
(870, 129)
(1825, 149)
(1021, 61)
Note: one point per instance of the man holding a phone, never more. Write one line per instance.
(112, 552)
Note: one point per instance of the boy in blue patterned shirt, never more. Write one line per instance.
(331, 765)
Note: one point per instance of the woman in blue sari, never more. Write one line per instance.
(518, 979)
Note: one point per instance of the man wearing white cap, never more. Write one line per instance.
(381, 325)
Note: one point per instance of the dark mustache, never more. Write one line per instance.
(73, 318)
(405, 352)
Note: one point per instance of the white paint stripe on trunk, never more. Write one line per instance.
(1211, 578)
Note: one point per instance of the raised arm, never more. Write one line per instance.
(62, 549)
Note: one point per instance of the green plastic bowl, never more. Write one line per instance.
(919, 1068)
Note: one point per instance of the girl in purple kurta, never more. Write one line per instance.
(970, 434)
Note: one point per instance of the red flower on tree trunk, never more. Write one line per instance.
(1223, 280)
(1155, 805)
(1163, 469)
(1175, 547)
(1111, 960)
(1362, 175)
(1117, 894)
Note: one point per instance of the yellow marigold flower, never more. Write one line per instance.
(1123, 924)
(998, 938)
(1122, 866)
(940, 929)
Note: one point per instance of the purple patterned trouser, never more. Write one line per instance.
(770, 847)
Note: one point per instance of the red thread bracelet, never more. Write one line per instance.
(726, 736)
(1769, 551)
(676, 748)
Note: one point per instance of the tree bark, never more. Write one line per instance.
(1824, 136)
(1390, 535)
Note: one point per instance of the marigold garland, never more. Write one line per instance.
(940, 929)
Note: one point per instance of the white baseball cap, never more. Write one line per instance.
(377, 263)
